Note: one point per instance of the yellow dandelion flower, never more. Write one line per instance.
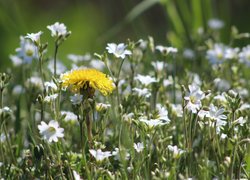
(80, 79)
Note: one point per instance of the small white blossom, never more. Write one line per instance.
(102, 106)
(128, 117)
(58, 29)
(194, 98)
(158, 65)
(35, 37)
(34, 81)
(76, 99)
(177, 109)
(97, 64)
(168, 82)
(60, 68)
(50, 98)
(2, 138)
(17, 90)
(50, 86)
(99, 155)
(222, 84)
(118, 154)
(119, 50)
(244, 55)
(139, 147)
(241, 121)
(16, 61)
(151, 123)
(69, 116)
(50, 132)
(142, 92)
(27, 51)
(176, 151)
(189, 54)
(223, 136)
(216, 55)
(145, 80)
(162, 113)
(79, 58)
(215, 24)
(232, 53)
(166, 50)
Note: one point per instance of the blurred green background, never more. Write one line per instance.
(96, 22)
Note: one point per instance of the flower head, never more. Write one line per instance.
(145, 80)
(58, 29)
(99, 155)
(34, 37)
(87, 78)
(50, 132)
(119, 50)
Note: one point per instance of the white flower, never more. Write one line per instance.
(142, 92)
(145, 80)
(151, 123)
(76, 99)
(128, 117)
(168, 82)
(97, 64)
(27, 50)
(99, 155)
(139, 147)
(2, 137)
(50, 98)
(215, 24)
(189, 54)
(69, 116)
(50, 132)
(118, 154)
(102, 106)
(58, 29)
(119, 50)
(16, 61)
(35, 37)
(216, 55)
(244, 106)
(176, 151)
(50, 86)
(223, 136)
(162, 113)
(17, 90)
(166, 50)
(231, 53)
(79, 58)
(221, 98)
(158, 65)
(241, 121)
(60, 68)
(76, 175)
(177, 109)
(244, 55)
(194, 98)
(222, 84)
(34, 81)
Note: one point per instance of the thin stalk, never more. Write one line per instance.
(41, 70)
(55, 54)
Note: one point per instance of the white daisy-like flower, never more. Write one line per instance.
(76, 99)
(223, 136)
(34, 37)
(2, 137)
(162, 113)
(145, 80)
(119, 50)
(18, 89)
(69, 116)
(166, 50)
(16, 61)
(58, 29)
(232, 53)
(117, 153)
(215, 24)
(244, 55)
(102, 106)
(151, 123)
(27, 50)
(79, 58)
(60, 68)
(142, 92)
(50, 86)
(99, 155)
(50, 132)
(158, 65)
(176, 151)
(241, 121)
(177, 109)
(194, 98)
(128, 117)
(169, 81)
(34, 81)
(216, 55)
(221, 98)
(50, 98)
(139, 147)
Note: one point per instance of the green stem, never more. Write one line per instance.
(55, 54)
